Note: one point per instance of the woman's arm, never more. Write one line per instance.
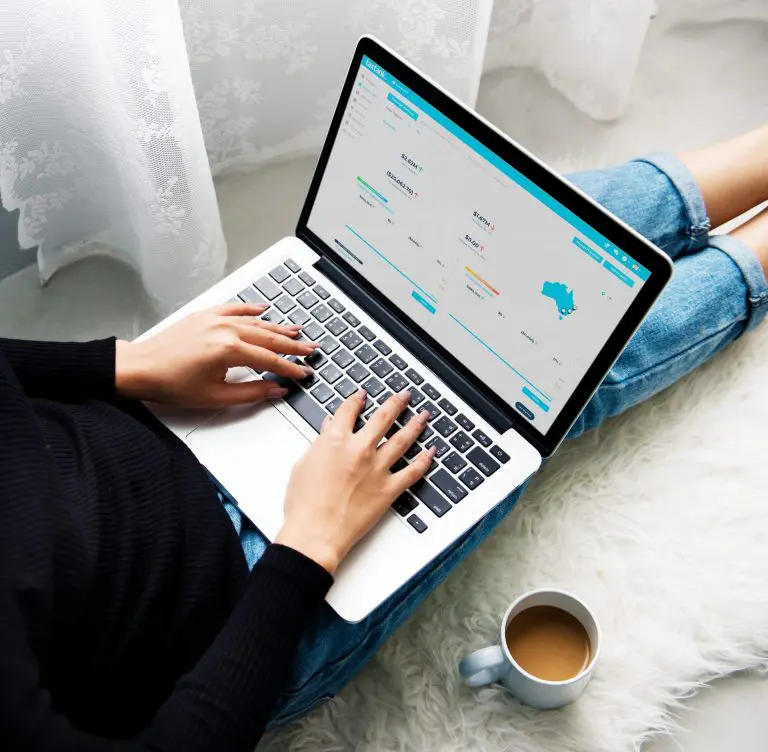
(224, 703)
(63, 370)
(185, 364)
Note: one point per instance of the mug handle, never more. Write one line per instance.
(484, 666)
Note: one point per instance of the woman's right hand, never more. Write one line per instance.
(342, 486)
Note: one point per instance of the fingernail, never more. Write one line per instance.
(423, 416)
(261, 306)
(276, 393)
(362, 394)
(313, 345)
(295, 327)
(406, 395)
(307, 370)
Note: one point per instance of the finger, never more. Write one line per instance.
(240, 309)
(347, 414)
(265, 360)
(246, 392)
(406, 477)
(277, 343)
(289, 330)
(381, 421)
(326, 422)
(394, 448)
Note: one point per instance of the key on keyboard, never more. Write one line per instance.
(381, 368)
(331, 374)
(322, 392)
(483, 461)
(328, 344)
(464, 422)
(249, 295)
(298, 317)
(449, 486)
(351, 339)
(447, 406)
(461, 441)
(293, 286)
(267, 288)
(345, 388)
(322, 312)
(454, 462)
(431, 497)
(343, 358)
(415, 377)
(374, 387)
(471, 478)
(279, 274)
(358, 373)
(305, 406)
(292, 265)
(417, 523)
(366, 353)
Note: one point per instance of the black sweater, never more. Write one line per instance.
(128, 620)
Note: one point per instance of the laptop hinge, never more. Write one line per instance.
(410, 339)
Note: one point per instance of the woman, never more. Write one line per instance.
(128, 617)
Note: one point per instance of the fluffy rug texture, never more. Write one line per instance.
(658, 520)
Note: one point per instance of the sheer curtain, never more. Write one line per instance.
(116, 116)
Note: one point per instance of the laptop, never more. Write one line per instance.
(432, 254)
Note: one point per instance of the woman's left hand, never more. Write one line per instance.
(186, 364)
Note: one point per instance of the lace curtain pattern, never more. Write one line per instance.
(116, 116)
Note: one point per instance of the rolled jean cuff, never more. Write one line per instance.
(687, 188)
(754, 276)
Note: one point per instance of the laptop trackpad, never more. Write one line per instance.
(251, 451)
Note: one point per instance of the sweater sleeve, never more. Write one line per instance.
(224, 703)
(63, 370)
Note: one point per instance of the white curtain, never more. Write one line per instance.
(115, 116)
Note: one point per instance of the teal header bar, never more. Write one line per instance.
(402, 106)
(585, 229)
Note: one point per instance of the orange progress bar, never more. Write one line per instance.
(481, 280)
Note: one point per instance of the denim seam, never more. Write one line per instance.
(695, 230)
(648, 371)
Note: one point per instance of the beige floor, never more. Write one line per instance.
(672, 106)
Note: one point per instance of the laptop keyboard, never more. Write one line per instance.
(353, 356)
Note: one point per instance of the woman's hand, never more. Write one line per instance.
(186, 364)
(342, 486)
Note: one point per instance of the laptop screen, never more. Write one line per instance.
(506, 278)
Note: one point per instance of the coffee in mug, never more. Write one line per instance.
(549, 642)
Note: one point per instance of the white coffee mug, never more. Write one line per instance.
(496, 664)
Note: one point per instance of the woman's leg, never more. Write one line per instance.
(718, 292)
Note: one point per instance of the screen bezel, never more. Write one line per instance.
(657, 263)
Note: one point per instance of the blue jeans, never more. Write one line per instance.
(718, 292)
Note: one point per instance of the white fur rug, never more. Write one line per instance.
(659, 520)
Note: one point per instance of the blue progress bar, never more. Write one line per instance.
(397, 269)
(421, 300)
(536, 399)
(491, 350)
